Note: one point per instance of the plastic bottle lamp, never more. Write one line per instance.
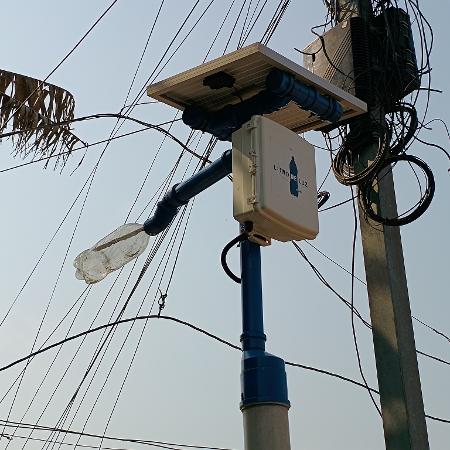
(111, 253)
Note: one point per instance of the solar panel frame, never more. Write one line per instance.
(250, 66)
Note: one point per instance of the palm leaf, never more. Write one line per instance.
(32, 108)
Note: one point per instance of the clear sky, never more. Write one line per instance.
(182, 386)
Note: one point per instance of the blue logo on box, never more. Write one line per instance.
(296, 184)
(293, 170)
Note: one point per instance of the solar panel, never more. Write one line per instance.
(249, 67)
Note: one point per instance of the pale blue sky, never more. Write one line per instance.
(184, 387)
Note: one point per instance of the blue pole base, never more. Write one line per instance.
(263, 379)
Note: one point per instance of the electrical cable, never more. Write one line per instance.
(92, 178)
(117, 116)
(33, 270)
(218, 31)
(11, 437)
(327, 285)
(110, 333)
(125, 339)
(47, 339)
(365, 193)
(443, 361)
(46, 158)
(79, 42)
(23, 371)
(183, 40)
(103, 141)
(234, 27)
(275, 21)
(119, 299)
(88, 290)
(402, 141)
(254, 19)
(170, 244)
(240, 43)
(335, 263)
(433, 329)
(141, 59)
(352, 300)
(161, 307)
(147, 175)
(223, 256)
(106, 341)
(344, 161)
(113, 325)
(148, 442)
(402, 120)
(53, 291)
(348, 304)
(81, 344)
(96, 353)
(195, 328)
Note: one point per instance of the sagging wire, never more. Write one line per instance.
(148, 442)
(160, 296)
(171, 245)
(323, 280)
(108, 141)
(78, 349)
(99, 348)
(199, 330)
(119, 117)
(153, 251)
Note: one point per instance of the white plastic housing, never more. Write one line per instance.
(281, 204)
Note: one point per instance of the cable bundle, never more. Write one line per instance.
(393, 140)
(395, 73)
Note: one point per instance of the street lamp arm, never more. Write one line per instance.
(181, 193)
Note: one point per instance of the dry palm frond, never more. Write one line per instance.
(32, 108)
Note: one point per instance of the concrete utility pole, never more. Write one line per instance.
(393, 335)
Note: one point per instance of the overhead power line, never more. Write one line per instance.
(431, 328)
(194, 327)
(148, 442)
(350, 305)
(120, 117)
(66, 57)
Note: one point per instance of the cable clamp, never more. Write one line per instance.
(161, 301)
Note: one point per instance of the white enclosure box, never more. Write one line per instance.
(274, 182)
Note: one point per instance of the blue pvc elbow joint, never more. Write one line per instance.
(181, 193)
(165, 212)
(263, 380)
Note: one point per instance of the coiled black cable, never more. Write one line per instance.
(366, 189)
(404, 122)
(343, 163)
(408, 132)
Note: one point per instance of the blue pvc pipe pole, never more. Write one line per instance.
(263, 377)
(253, 337)
(181, 193)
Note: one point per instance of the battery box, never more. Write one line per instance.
(274, 182)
